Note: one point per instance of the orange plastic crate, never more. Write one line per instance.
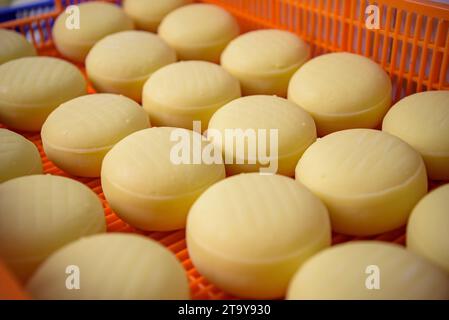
(412, 45)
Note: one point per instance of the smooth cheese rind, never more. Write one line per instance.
(144, 270)
(146, 188)
(265, 60)
(248, 233)
(369, 180)
(96, 20)
(13, 45)
(294, 127)
(182, 92)
(349, 271)
(18, 156)
(78, 134)
(148, 14)
(427, 228)
(342, 91)
(422, 120)
(32, 87)
(122, 62)
(199, 31)
(41, 213)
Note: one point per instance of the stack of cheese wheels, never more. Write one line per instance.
(249, 233)
(79, 133)
(342, 91)
(369, 179)
(427, 229)
(147, 186)
(148, 14)
(274, 133)
(32, 87)
(265, 60)
(146, 270)
(368, 270)
(123, 62)
(187, 91)
(422, 120)
(199, 31)
(76, 30)
(13, 45)
(18, 156)
(41, 213)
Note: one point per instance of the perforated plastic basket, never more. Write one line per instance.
(412, 45)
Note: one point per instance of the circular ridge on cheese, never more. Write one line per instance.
(14, 45)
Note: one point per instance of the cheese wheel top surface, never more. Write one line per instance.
(252, 217)
(198, 25)
(358, 162)
(340, 272)
(422, 120)
(93, 121)
(140, 163)
(191, 84)
(295, 126)
(13, 45)
(39, 81)
(18, 156)
(264, 52)
(136, 268)
(149, 10)
(97, 20)
(339, 83)
(129, 55)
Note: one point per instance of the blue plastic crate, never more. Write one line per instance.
(25, 10)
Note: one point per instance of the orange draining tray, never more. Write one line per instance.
(412, 45)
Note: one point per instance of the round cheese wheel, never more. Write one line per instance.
(148, 14)
(147, 187)
(427, 228)
(122, 62)
(32, 87)
(76, 31)
(269, 129)
(110, 266)
(41, 213)
(368, 270)
(368, 179)
(265, 60)
(342, 91)
(79, 133)
(18, 156)
(187, 91)
(13, 45)
(199, 31)
(249, 233)
(422, 120)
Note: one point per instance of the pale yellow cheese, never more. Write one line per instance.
(265, 60)
(428, 227)
(18, 156)
(199, 31)
(79, 133)
(256, 116)
(342, 91)
(249, 233)
(146, 187)
(122, 62)
(182, 92)
(32, 87)
(422, 120)
(41, 213)
(148, 14)
(13, 45)
(368, 270)
(111, 266)
(96, 20)
(368, 179)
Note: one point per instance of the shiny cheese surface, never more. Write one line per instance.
(13, 45)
